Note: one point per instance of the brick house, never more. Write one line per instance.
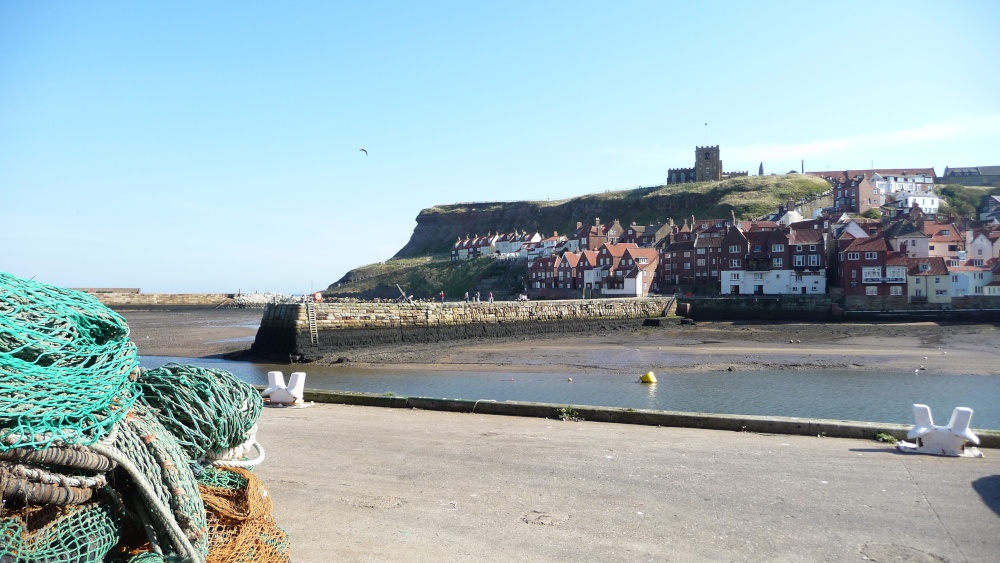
(807, 258)
(609, 258)
(542, 272)
(863, 267)
(566, 273)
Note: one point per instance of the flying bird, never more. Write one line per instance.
(364, 151)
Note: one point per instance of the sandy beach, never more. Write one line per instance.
(710, 346)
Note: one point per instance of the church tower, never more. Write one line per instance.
(707, 165)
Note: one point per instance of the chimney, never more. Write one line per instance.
(579, 225)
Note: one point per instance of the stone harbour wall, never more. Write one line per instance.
(284, 330)
(759, 307)
(136, 300)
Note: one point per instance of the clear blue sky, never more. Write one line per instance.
(214, 147)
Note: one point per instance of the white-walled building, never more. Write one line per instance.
(889, 184)
(968, 278)
(928, 202)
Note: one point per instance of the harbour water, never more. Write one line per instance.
(831, 394)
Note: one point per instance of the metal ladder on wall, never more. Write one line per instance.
(311, 317)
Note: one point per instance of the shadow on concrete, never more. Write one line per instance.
(989, 490)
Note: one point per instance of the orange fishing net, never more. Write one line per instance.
(240, 526)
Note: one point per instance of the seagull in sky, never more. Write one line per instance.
(364, 151)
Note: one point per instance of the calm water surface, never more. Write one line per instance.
(834, 394)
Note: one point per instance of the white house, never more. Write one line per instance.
(744, 282)
(928, 202)
(967, 278)
(902, 183)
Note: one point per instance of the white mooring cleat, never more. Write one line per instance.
(287, 396)
(941, 440)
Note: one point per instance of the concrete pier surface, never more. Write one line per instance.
(356, 483)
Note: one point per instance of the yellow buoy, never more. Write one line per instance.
(648, 377)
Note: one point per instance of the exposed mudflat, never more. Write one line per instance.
(709, 346)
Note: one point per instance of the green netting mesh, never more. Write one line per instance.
(83, 533)
(220, 478)
(65, 361)
(208, 410)
(96, 466)
(160, 486)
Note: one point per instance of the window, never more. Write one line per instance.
(814, 259)
(871, 290)
(777, 248)
(812, 248)
(853, 255)
(937, 280)
(687, 265)
(979, 289)
(871, 255)
(954, 278)
(940, 292)
(701, 261)
(798, 247)
(925, 267)
(701, 251)
(758, 276)
(895, 290)
(945, 232)
(778, 262)
(800, 260)
(734, 263)
(735, 276)
(687, 254)
(734, 249)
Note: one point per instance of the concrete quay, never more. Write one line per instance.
(365, 483)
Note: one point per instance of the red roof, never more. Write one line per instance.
(845, 175)
(870, 244)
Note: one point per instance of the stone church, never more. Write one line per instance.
(707, 168)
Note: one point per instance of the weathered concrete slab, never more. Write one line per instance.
(358, 483)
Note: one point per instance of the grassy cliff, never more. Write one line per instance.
(423, 267)
(425, 277)
(438, 227)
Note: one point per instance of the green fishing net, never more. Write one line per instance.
(65, 361)
(98, 458)
(67, 534)
(208, 410)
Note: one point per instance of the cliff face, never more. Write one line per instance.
(439, 227)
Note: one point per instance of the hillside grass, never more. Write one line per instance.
(425, 269)
(425, 277)
(747, 197)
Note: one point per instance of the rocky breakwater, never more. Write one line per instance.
(287, 331)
